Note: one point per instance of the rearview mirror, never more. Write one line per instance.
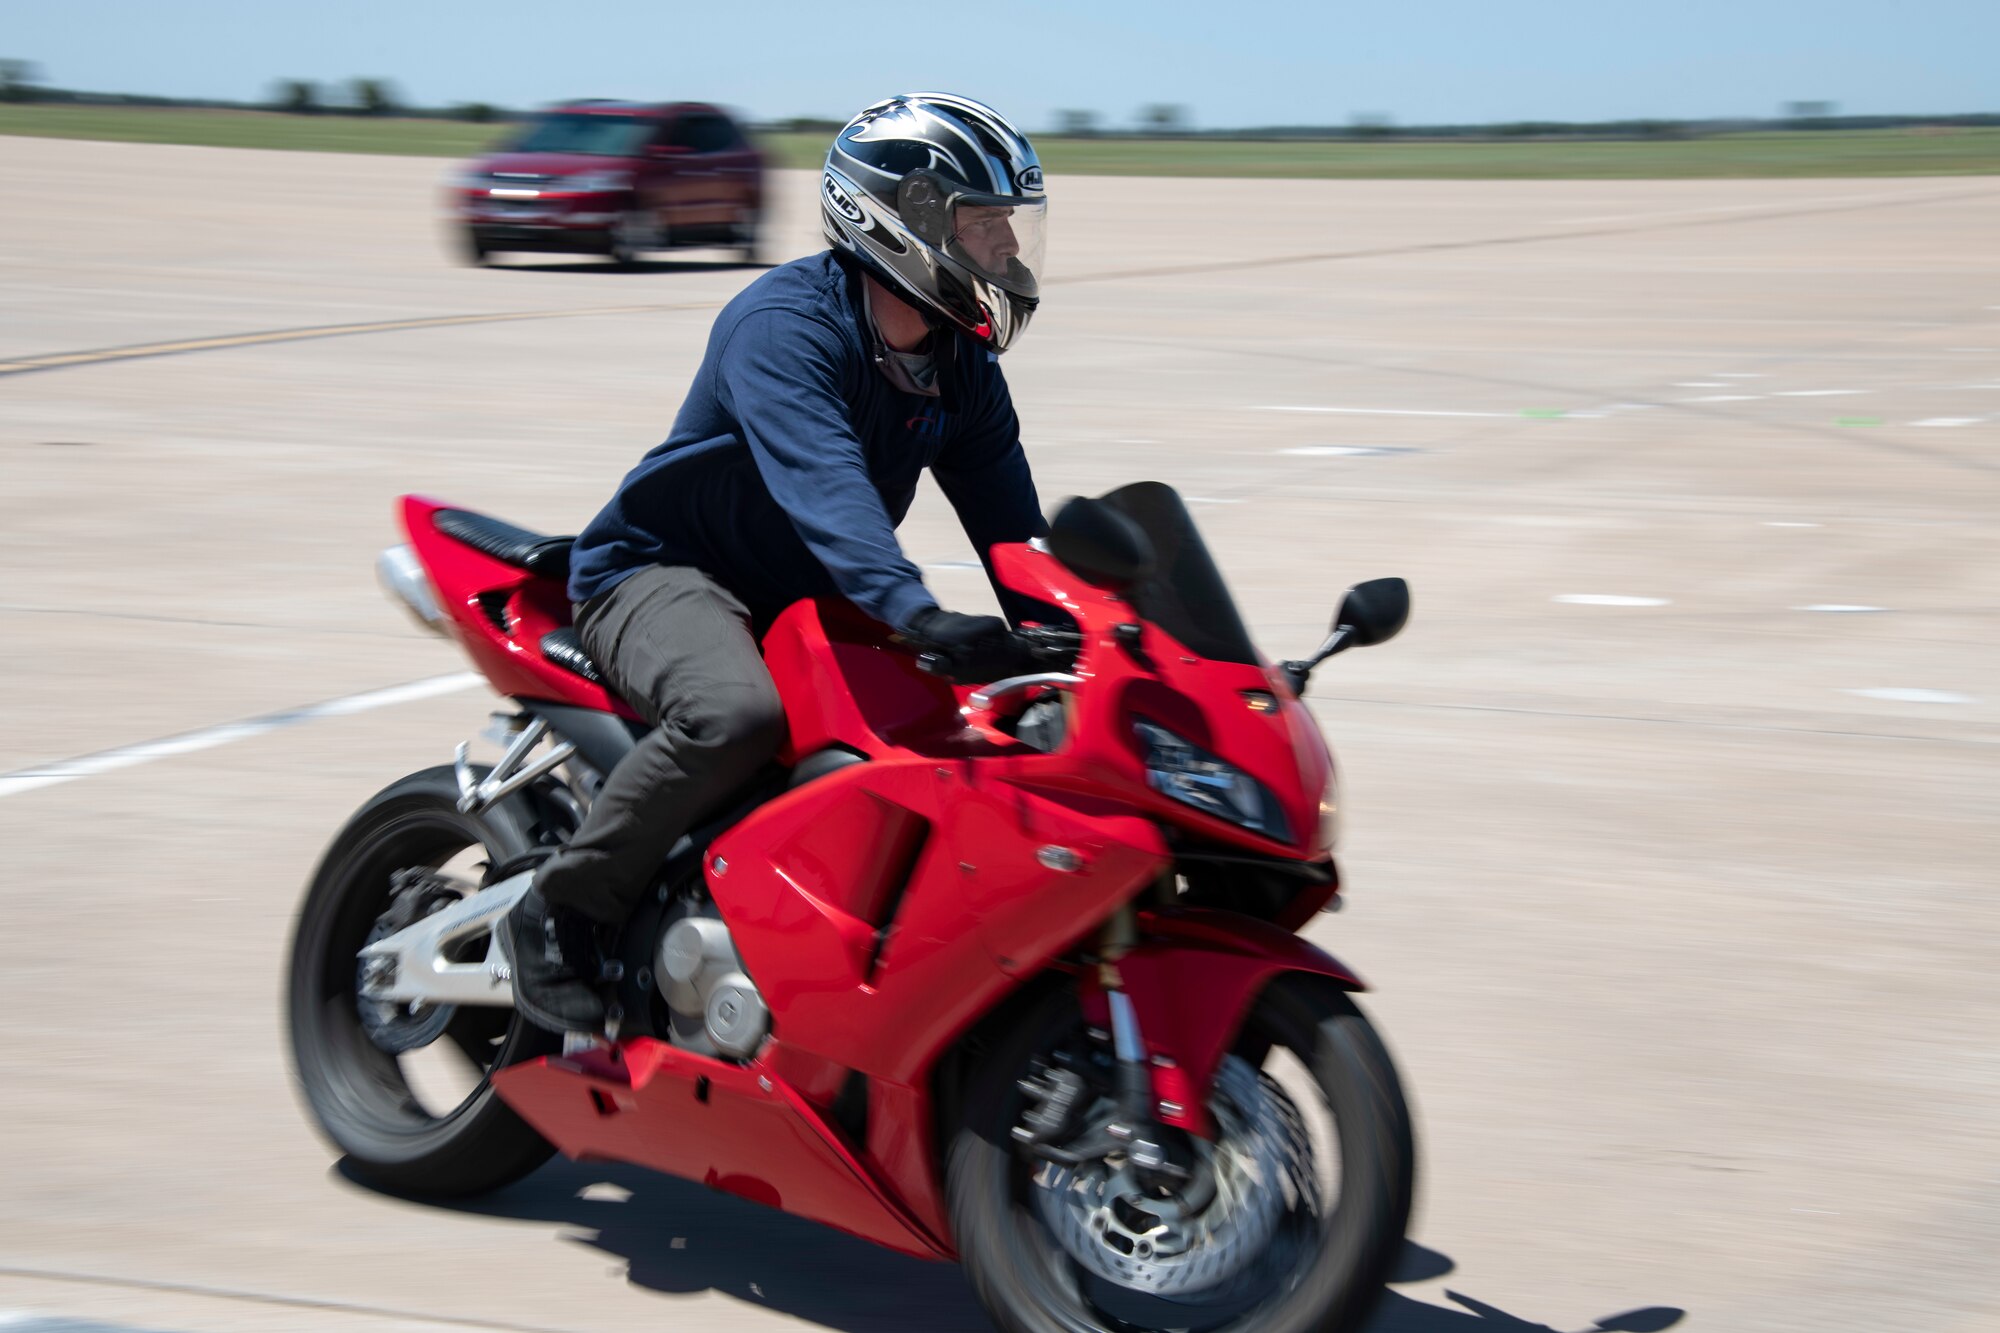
(1373, 612)
(1370, 613)
(1100, 545)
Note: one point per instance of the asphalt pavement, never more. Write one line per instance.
(1671, 819)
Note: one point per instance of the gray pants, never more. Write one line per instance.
(679, 648)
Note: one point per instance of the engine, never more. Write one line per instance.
(715, 1008)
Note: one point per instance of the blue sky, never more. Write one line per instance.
(1231, 64)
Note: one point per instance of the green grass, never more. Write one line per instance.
(1910, 152)
(251, 129)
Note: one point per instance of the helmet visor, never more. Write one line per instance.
(999, 238)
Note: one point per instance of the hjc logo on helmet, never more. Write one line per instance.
(1030, 178)
(838, 198)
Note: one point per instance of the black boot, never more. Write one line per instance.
(556, 963)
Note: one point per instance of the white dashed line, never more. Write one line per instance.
(106, 761)
(954, 566)
(1780, 523)
(1342, 450)
(1723, 398)
(1739, 375)
(1818, 393)
(1902, 695)
(1700, 384)
(1948, 421)
(1838, 607)
(1608, 599)
(1387, 412)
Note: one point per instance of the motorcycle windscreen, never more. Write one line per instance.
(1185, 595)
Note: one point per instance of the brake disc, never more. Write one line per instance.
(1257, 1170)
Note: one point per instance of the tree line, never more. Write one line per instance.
(20, 81)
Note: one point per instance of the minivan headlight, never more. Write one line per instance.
(1179, 768)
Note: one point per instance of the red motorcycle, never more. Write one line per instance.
(1003, 972)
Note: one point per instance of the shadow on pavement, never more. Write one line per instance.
(679, 1237)
(641, 269)
(1399, 1314)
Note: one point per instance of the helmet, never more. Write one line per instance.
(941, 200)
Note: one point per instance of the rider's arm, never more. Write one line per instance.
(984, 473)
(780, 377)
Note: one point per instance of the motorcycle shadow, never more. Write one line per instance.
(681, 1238)
(1400, 1314)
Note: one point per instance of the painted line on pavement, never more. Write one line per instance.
(1607, 599)
(1388, 412)
(64, 360)
(1905, 695)
(208, 738)
(411, 1319)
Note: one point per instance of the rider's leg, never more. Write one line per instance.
(679, 647)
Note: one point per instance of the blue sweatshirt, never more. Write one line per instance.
(794, 458)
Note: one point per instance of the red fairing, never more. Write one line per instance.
(732, 1127)
(477, 592)
(1192, 980)
(885, 908)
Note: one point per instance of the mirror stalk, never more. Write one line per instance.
(1299, 672)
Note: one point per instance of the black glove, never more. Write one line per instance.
(969, 647)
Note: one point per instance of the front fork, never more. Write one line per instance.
(1138, 1125)
(1135, 1076)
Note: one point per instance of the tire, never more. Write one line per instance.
(749, 232)
(1329, 1278)
(359, 1095)
(472, 249)
(631, 234)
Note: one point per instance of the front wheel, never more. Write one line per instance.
(634, 232)
(1287, 1222)
(406, 1092)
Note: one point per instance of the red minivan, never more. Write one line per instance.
(614, 178)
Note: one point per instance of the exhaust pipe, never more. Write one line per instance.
(402, 576)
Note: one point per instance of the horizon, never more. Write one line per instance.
(1456, 64)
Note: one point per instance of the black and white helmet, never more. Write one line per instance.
(941, 199)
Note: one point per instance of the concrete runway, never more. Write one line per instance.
(1678, 905)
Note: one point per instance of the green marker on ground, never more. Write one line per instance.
(1542, 412)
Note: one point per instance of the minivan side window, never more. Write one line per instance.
(703, 133)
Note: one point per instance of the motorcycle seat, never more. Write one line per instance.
(544, 557)
(562, 647)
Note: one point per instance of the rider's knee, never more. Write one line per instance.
(746, 718)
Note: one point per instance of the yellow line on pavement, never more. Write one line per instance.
(25, 364)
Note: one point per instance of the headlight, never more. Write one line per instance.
(1329, 818)
(593, 182)
(1183, 770)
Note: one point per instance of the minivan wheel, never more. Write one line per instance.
(633, 233)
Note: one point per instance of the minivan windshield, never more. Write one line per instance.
(1185, 594)
(576, 132)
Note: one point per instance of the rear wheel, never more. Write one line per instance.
(407, 1095)
(472, 249)
(1286, 1222)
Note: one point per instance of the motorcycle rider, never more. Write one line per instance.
(827, 387)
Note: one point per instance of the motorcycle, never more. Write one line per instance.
(1004, 971)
